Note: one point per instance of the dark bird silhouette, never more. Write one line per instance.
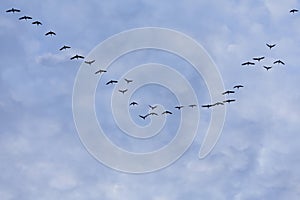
(229, 101)
(167, 112)
(206, 106)
(258, 58)
(144, 116)
(271, 45)
(127, 80)
(89, 62)
(267, 68)
(153, 113)
(248, 63)
(238, 86)
(51, 33)
(178, 107)
(111, 82)
(293, 10)
(228, 92)
(25, 17)
(38, 23)
(77, 57)
(13, 10)
(100, 71)
(152, 107)
(123, 91)
(218, 104)
(192, 105)
(133, 103)
(64, 48)
(278, 62)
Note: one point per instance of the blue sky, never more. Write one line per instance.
(256, 157)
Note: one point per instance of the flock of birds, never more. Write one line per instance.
(254, 61)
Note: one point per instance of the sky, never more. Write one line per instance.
(256, 157)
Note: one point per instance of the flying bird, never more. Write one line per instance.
(229, 101)
(127, 80)
(248, 63)
(25, 17)
(267, 68)
(152, 107)
(38, 23)
(64, 48)
(100, 71)
(153, 113)
(77, 57)
(144, 116)
(123, 91)
(192, 105)
(271, 45)
(13, 10)
(278, 62)
(89, 62)
(133, 103)
(238, 86)
(218, 104)
(167, 112)
(51, 33)
(228, 92)
(179, 107)
(206, 106)
(293, 10)
(258, 58)
(111, 82)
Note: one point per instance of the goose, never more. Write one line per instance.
(206, 106)
(278, 62)
(51, 33)
(267, 68)
(192, 105)
(237, 86)
(89, 62)
(25, 17)
(229, 101)
(77, 57)
(153, 107)
(123, 91)
(100, 71)
(271, 45)
(64, 48)
(37, 23)
(167, 112)
(144, 116)
(293, 10)
(133, 103)
(218, 104)
(248, 63)
(111, 82)
(153, 113)
(258, 58)
(13, 10)
(228, 92)
(127, 80)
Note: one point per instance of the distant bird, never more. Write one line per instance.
(293, 10)
(178, 107)
(278, 62)
(228, 92)
(38, 23)
(100, 71)
(77, 57)
(133, 103)
(167, 112)
(192, 105)
(267, 68)
(25, 17)
(238, 86)
(258, 58)
(218, 104)
(271, 45)
(206, 106)
(64, 48)
(89, 62)
(51, 33)
(13, 10)
(248, 63)
(153, 113)
(144, 116)
(229, 101)
(111, 82)
(127, 80)
(152, 107)
(123, 91)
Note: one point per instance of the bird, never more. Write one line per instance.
(133, 103)
(258, 58)
(13, 10)
(178, 107)
(153, 107)
(100, 71)
(293, 10)
(237, 86)
(218, 104)
(127, 80)
(37, 23)
(167, 112)
(77, 57)
(278, 62)
(228, 92)
(89, 62)
(153, 113)
(206, 106)
(271, 45)
(25, 17)
(192, 105)
(64, 48)
(51, 33)
(144, 116)
(267, 68)
(248, 63)
(229, 101)
(123, 91)
(111, 82)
